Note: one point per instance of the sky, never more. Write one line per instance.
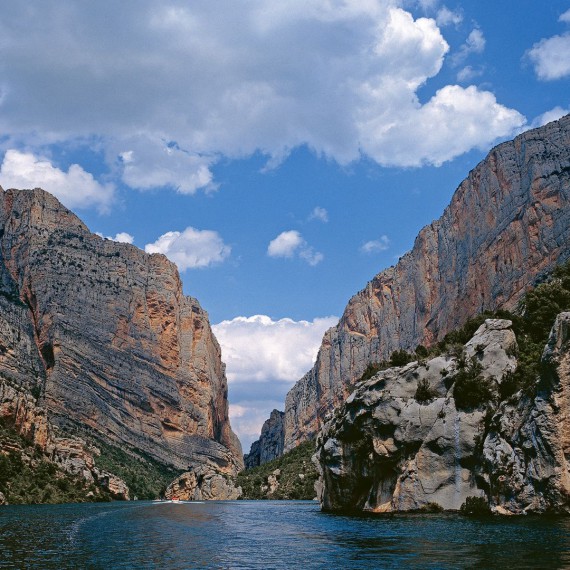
(280, 153)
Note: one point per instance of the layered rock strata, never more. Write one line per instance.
(507, 224)
(384, 450)
(101, 335)
(270, 444)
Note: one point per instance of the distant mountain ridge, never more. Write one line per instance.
(507, 224)
(96, 337)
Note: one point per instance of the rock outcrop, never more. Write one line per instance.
(270, 444)
(507, 224)
(97, 339)
(203, 484)
(384, 450)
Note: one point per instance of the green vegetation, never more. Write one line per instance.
(431, 508)
(471, 390)
(475, 507)
(424, 392)
(26, 476)
(296, 480)
(145, 477)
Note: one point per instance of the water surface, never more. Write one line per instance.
(269, 534)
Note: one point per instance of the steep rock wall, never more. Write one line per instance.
(102, 335)
(384, 450)
(270, 444)
(507, 224)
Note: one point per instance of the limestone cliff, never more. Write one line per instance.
(386, 449)
(507, 224)
(270, 444)
(100, 336)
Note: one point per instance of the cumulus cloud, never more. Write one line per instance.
(551, 56)
(464, 118)
(377, 245)
(320, 214)
(121, 237)
(264, 358)
(75, 188)
(446, 17)
(153, 164)
(475, 43)
(173, 87)
(191, 248)
(291, 244)
(468, 73)
(549, 116)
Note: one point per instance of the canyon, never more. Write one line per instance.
(507, 226)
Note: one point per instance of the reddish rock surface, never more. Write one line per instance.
(102, 335)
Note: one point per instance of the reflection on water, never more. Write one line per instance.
(288, 534)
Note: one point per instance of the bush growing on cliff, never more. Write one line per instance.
(475, 506)
(27, 477)
(471, 390)
(424, 392)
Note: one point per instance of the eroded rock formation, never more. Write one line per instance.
(205, 484)
(270, 443)
(507, 224)
(384, 450)
(97, 338)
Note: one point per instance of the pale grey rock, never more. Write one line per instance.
(3, 500)
(203, 484)
(384, 451)
(528, 444)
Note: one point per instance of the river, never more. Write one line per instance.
(269, 535)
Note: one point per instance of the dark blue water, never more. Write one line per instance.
(288, 534)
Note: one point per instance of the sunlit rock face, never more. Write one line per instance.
(385, 451)
(101, 335)
(507, 224)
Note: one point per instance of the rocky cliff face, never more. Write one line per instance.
(508, 223)
(270, 444)
(384, 450)
(100, 336)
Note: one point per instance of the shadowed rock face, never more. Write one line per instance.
(508, 223)
(384, 451)
(270, 444)
(102, 335)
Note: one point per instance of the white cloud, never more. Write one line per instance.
(264, 358)
(191, 248)
(468, 73)
(259, 349)
(446, 17)
(320, 214)
(154, 164)
(453, 120)
(475, 43)
(121, 237)
(290, 244)
(285, 244)
(75, 188)
(565, 17)
(549, 116)
(551, 57)
(173, 87)
(377, 245)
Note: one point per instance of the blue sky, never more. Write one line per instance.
(281, 154)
